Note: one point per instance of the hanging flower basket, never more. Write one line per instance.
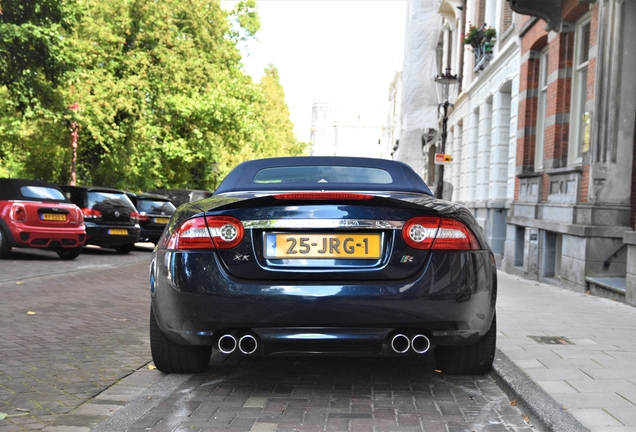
(476, 37)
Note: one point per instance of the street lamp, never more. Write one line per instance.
(74, 133)
(446, 88)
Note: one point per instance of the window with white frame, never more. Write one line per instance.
(580, 117)
(541, 109)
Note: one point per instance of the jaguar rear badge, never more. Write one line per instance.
(406, 259)
(239, 257)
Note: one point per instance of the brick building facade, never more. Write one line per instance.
(542, 136)
(573, 202)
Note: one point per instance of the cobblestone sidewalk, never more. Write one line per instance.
(66, 338)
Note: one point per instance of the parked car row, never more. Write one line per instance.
(63, 218)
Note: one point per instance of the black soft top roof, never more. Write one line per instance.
(147, 196)
(10, 189)
(92, 188)
(404, 178)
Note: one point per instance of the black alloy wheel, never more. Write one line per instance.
(70, 253)
(5, 247)
(474, 359)
(170, 357)
(125, 248)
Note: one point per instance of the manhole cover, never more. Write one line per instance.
(551, 340)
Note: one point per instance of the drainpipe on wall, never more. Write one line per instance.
(462, 35)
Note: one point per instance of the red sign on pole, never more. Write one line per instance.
(443, 159)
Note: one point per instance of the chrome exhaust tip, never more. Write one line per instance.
(247, 344)
(227, 344)
(420, 344)
(400, 343)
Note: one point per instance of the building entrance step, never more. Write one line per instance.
(608, 287)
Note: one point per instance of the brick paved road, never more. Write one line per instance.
(333, 394)
(65, 338)
(74, 354)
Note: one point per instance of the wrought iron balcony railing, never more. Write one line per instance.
(482, 41)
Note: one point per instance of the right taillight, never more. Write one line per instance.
(454, 235)
(438, 234)
(420, 232)
(91, 214)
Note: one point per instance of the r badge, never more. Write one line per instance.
(406, 259)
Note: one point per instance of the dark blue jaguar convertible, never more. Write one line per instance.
(323, 256)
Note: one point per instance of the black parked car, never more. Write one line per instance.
(182, 196)
(110, 217)
(154, 214)
(323, 255)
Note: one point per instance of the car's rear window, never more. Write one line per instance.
(102, 197)
(42, 192)
(155, 206)
(323, 174)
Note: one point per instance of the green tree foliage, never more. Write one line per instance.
(279, 138)
(35, 59)
(164, 100)
(35, 56)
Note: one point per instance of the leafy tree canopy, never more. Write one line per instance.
(164, 100)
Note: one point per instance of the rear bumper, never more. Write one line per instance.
(47, 238)
(100, 235)
(451, 300)
(151, 234)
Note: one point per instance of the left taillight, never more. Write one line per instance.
(18, 212)
(438, 234)
(214, 232)
(226, 231)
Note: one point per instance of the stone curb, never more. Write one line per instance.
(125, 417)
(542, 410)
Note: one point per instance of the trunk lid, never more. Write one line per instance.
(307, 240)
(51, 214)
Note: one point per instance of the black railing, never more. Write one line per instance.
(482, 42)
(607, 263)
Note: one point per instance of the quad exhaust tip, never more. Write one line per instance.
(401, 343)
(420, 344)
(247, 344)
(227, 344)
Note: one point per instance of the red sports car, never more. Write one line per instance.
(36, 214)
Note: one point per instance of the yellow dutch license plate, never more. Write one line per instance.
(118, 232)
(161, 220)
(53, 217)
(334, 246)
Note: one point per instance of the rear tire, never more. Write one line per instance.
(170, 357)
(5, 247)
(474, 359)
(69, 254)
(125, 249)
